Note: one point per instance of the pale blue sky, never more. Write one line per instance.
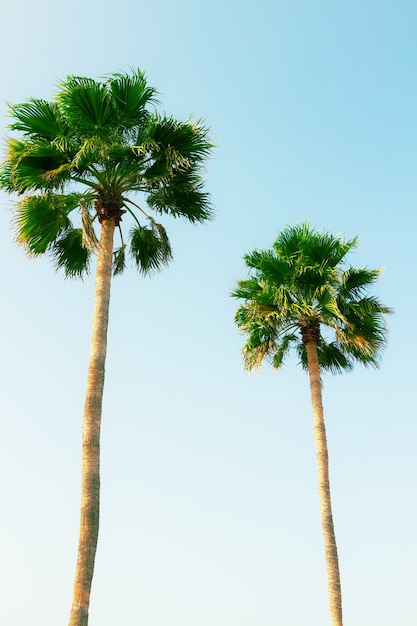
(209, 512)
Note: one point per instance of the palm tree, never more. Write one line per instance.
(80, 157)
(301, 295)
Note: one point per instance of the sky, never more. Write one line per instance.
(209, 497)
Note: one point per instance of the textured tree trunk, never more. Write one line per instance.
(330, 548)
(90, 481)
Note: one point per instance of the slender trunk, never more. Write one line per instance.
(90, 468)
(330, 548)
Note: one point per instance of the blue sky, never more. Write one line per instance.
(209, 505)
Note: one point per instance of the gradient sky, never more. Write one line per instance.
(209, 498)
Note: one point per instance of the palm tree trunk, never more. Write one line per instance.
(330, 548)
(90, 468)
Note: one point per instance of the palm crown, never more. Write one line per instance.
(85, 152)
(301, 290)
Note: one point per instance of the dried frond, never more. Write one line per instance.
(89, 237)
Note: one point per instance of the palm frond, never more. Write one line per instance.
(34, 166)
(119, 260)
(188, 140)
(365, 333)
(261, 335)
(161, 234)
(259, 346)
(327, 250)
(182, 196)
(39, 220)
(283, 348)
(254, 355)
(275, 270)
(38, 118)
(6, 182)
(70, 255)
(131, 94)
(149, 247)
(247, 289)
(87, 105)
(327, 302)
(354, 282)
(254, 259)
(89, 237)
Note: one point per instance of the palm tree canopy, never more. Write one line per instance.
(86, 152)
(301, 290)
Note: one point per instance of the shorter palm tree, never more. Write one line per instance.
(301, 295)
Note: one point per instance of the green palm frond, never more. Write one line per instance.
(260, 345)
(6, 181)
(310, 247)
(157, 169)
(131, 94)
(87, 105)
(354, 282)
(182, 196)
(325, 250)
(34, 166)
(269, 267)
(175, 151)
(70, 255)
(38, 118)
(149, 247)
(365, 333)
(39, 220)
(254, 259)
(261, 336)
(254, 355)
(188, 140)
(327, 304)
(283, 348)
(31, 176)
(247, 289)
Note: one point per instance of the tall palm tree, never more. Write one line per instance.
(75, 166)
(301, 295)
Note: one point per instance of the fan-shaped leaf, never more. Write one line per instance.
(41, 219)
(70, 255)
(87, 105)
(38, 118)
(131, 94)
(150, 248)
(188, 140)
(182, 195)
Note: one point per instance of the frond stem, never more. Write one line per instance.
(84, 182)
(132, 214)
(138, 207)
(121, 234)
(150, 218)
